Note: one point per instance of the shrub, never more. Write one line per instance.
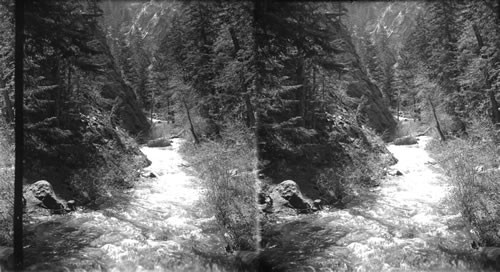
(334, 185)
(364, 169)
(472, 164)
(226, 166)
(115, 172)
(6, 183)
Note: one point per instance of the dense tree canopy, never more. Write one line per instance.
(455, 46)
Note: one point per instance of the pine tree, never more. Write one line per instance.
(404, 84)
(296, 48)
(443, 42)
(479, 57)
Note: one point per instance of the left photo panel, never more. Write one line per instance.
(138, 136)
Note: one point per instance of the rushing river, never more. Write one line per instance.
(405, 224)
(160, 225)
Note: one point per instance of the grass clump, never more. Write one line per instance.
(226, 167)
(473, 165)
(6, 183)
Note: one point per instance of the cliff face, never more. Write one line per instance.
(395, 18)
(147, 21)
(376, 34)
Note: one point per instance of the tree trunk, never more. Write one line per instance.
(495, 114)
(177, 135)
(68, 91)
(19, 131)
(196, 141)
(58, 93)
(323, 93)
(438, 127)
(236, 44)
(312, 93)
(249, 111)
(9, 114)
(478, 38)
(116, 103)
(302, 90)
(399, 103)
(152, 104)
(168, 110)
(415, 110)
(359, 110)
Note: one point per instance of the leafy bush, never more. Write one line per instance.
(334, 185)
(6, 183)
(227, 167)
(473, 165)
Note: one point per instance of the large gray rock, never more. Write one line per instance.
(160, 142)
(287, 195)
(42, 194)
(407, 140)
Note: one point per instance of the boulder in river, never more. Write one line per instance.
(407, 140)
(394, 172)
(148, 174)
(160, 142)
(42, 194)
(287, 195)
(317, 204)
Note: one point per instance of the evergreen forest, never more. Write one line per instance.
(252, 135)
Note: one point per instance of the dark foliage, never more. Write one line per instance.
(74, 99)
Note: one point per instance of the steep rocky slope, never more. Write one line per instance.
(368, 98)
